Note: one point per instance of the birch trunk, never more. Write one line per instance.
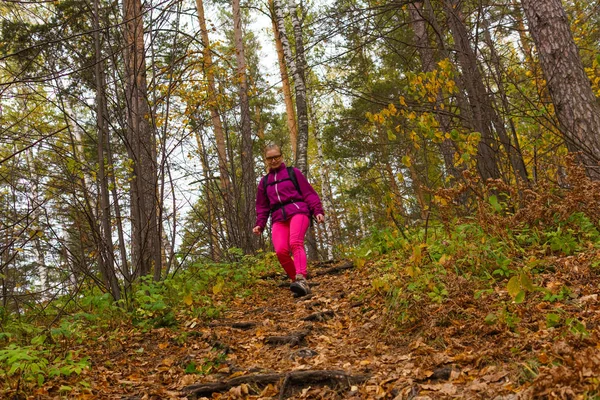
(296, 65)
(285, 85)
(575, 104)
(301, 96)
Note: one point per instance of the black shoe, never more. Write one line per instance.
(300, 286)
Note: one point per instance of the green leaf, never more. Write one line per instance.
(552, 320)
(495, 204)
(191, 368)
(454, 135)
(491, 319)
(520, 297)
(514, 286)
(65, 388)
(526, 282)
(38, 340)
(14, 368)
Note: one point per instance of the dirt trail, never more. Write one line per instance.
(270, 345)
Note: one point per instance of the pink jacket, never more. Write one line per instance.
(284, 192)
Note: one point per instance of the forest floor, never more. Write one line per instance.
(340, 343)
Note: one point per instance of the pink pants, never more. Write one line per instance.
(288, 240)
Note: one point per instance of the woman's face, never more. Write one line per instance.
(274, 158)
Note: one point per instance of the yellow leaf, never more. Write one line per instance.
(514, 286)
(218, 287)
(188, 300)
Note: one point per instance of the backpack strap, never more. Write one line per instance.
(292, 177)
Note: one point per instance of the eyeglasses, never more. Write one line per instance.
(273, 158)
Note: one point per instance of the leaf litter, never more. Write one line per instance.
(449, 351)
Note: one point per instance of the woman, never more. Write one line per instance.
(285, 194)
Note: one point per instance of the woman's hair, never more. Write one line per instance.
(272, 146)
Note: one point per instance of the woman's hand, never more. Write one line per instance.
(257, 230)
(320, 218)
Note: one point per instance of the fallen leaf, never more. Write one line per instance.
(187, 380)
(168, 361)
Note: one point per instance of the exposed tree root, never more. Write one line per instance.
(324, 264)
(323, 267)
(335, 270)
(244, 325)
(293, 339)
(319, 316)
(291, 380)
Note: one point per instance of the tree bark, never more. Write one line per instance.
(213, 235)
(285, 85)
(141, 144)
(213, 106)
(512, 148)
(301, 96)
(479, 102)
(331, 218)
(296, 65)
(106, 241)
(575, 104)
(248, 174)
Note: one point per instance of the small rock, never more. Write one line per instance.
(303, 353)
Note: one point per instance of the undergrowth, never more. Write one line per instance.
(36, 344)
(522, 268)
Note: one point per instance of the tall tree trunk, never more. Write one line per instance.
(102, 126)
(480, 105)
(576, 107)
(331, 219)
(141, 145)
(213, 105)
(296, 65)
(285, 85)
(213, 235)
(248, 174)
(512, 148)
(301, 96)
(125, 270)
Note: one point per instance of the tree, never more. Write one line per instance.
(285, 83)
(141, 146)
(247, 155)
(213, 105)
(574, 101)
